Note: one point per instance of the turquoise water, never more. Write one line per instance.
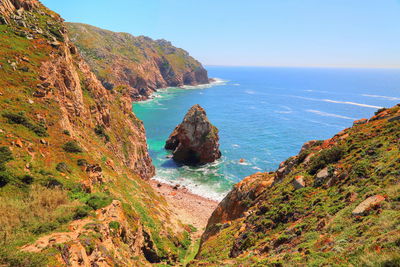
(264, 115)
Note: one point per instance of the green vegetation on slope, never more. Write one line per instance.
(314, 224)
(139, 62)
(58, 168)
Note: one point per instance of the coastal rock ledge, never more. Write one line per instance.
(195, 140)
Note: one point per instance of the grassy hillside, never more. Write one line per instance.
(139, 62)
(74, 164)
(337, 203)
(73, 157)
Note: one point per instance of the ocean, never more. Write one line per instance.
(264, 115)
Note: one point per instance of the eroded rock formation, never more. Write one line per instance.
(49, 99)
(139, 63)
(195, 140)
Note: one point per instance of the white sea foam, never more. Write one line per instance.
(336, 101)
(168, 92)
(235, 145)
(326, 114)
(250, 92)
(391, 98)
(206, 191)
(351, 103)
(286, 110)
(214, 82)
(317, 91)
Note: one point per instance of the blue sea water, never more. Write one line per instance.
(264, 115)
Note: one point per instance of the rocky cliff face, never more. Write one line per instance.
(73, 157)
(195, 140)
(139, 63)
(335, 203)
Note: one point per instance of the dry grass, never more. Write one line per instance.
(40, 205)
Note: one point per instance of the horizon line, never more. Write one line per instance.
(305, 66)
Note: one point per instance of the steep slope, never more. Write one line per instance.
(73, 157)
(140, 63)
(336, 203)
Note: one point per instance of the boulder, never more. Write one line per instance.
(39, 93)
(18, 143)
(285, 168)
(195, 140)
(322, 174)
(321, 177)
(308, 145)
(298, 182)
(367, 205)
(361, 121)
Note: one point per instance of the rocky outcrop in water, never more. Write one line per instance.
(195, 140)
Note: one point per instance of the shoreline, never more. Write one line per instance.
(212, 82)
(192, 209)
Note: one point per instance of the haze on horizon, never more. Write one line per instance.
(310, 33)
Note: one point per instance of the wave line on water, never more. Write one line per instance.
(326, 114)
(287, 110)
(391, 98)
(335, 101)
(351, 103)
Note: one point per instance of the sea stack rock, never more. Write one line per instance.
(195, 140)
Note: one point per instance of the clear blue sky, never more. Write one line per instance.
(332, 33)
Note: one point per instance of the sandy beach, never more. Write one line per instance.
(190, 208)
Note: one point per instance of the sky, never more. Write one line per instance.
(311, 33)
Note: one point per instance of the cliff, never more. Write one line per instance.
(334, 204)
(73, 157)
(195, 140)
(139, 63)
(74, 164)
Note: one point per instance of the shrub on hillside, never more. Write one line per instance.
(380, 110)
(82, 162)
(100, 131)
(114, 225)
(20, 118)
(82, 212)
(52, 183)
(72, 147)
(27, 179)
(5, 156)
(63, 167)
(324, 158)
(360, 169)
(5, 178)
(44, 228)
(98, 201)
